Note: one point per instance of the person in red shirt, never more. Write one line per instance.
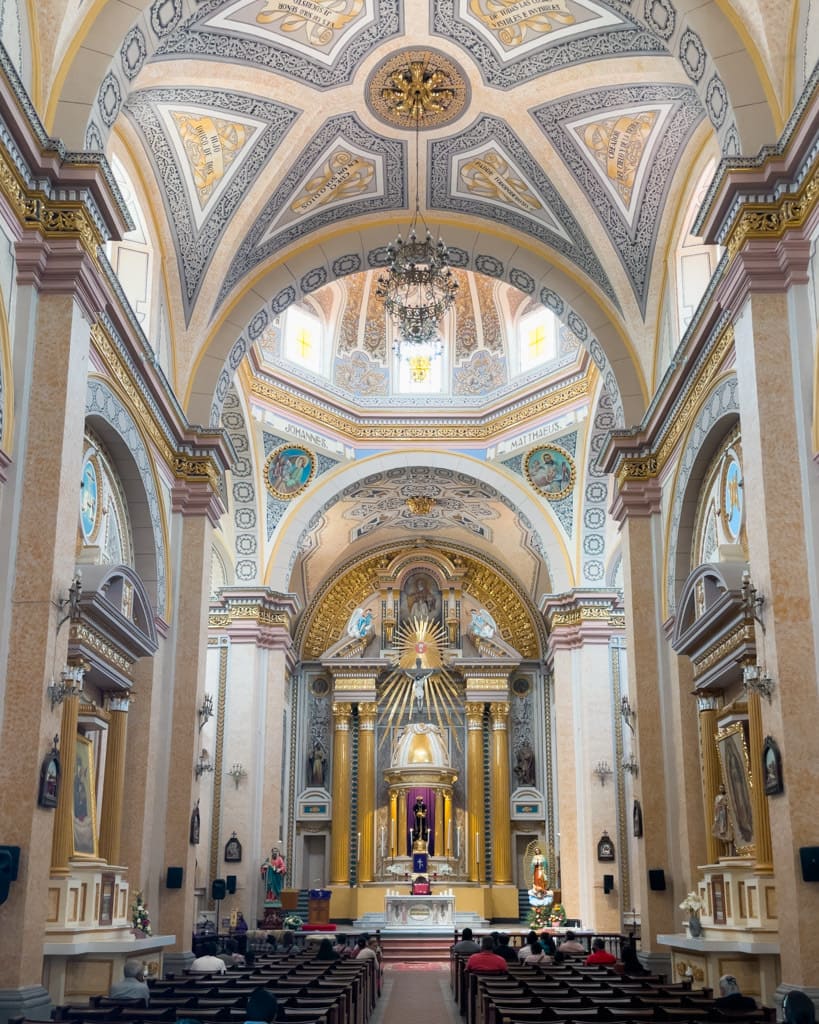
(487, 960)
(599, 954)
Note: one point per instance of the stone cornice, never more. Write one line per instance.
(411, 426)
(60, 266)
(255, 615)
(583, 617)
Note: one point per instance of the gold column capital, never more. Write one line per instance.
(474, 716)
(367, 714)
(341, 714)
(500, 713)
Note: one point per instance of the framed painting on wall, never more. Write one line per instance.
(736, 776)
(771, 767)
(84, 811)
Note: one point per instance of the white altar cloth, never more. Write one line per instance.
(433, 911)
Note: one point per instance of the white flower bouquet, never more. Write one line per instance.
(692, 903)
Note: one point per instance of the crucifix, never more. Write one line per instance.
(419, 676)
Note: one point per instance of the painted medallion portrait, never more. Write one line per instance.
(733, 504)
(90, 498)
(550, 470)
(288, 470)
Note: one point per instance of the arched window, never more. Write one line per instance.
(696, 261)
(132, 258)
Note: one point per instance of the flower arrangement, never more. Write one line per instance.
(139, 914)
(292, 922)
(539, 917)
(558, 914)
(692, 903)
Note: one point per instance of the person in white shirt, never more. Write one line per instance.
(208, 963)
(133, 985)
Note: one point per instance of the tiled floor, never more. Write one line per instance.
(420, 994)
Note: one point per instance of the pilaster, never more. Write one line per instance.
(501, 832)
(113, 794)
(366, 790)
(342, 768)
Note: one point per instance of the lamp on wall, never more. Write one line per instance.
(631, 766)
(627, 712)
(70, 685)
(602, 770)
(751, 600)
(205, 710)
(203, 764)
(71, 601)
(237, 773)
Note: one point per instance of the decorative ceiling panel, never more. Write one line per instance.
(623, 145)
(207, 147)
(486, 171)
(346, 170)
(318, 43)
(513, 41)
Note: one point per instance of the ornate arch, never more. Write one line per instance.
(721, 405)
(112, 420)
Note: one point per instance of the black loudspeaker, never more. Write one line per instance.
(218, 889)
(230, 883)
(656, 879)
(174, 878)
(9, 866)
(809, 858)
(608, 884)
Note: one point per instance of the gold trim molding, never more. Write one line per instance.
(84, 635)
(774, 219)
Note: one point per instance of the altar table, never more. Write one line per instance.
(433, 911)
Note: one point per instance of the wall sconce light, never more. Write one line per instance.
(71, 601)
(754, 680)
(70, 685)
(206, 710)
(203, 764)
(751, 601)
(631, 766)
(627, 712)
(237, 773)
(602, 770)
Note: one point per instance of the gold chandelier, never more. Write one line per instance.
(418, 286)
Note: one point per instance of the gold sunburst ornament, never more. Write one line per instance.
(420, 687)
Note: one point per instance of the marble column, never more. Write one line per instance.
(439, 834)
(366, 790)
(196, 509)
(581, 625)
(62, 840)
(710, 773)
(636, 508)
(113, 793)
(775, 365)
(342, 767)
(474, 790)
(501, 831)
(56, 300)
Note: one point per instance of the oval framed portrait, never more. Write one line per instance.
(90, 497)
(731, 495)
(288, 469)
(550, 470)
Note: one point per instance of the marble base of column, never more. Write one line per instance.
(176, 963)
(656, 963)
(32, 1002)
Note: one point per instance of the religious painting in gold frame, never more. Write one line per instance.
(550, 470)
(84, 808)
(736, 777)
(288, 469)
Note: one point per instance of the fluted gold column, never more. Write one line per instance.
(401, 838)
(366, 790)
(710, 772)
(448, 825)
(501, 832)
(340, 855)
(62, 840)
(759, 802)
(394, 833)
(474, 783)
(440, 831)
(113, 793)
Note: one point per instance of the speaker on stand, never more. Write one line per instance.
(218, 890)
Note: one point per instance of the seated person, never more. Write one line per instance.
(730, 999)
(599, 954)
(548, 943)
(209, 962)
(570, 946)
(262, 1007)
(798, 1008)
(133, 984)
(631, 965)
(503, 949)
(231, 955)
(532, 952)
(487, 960)
(467, 944)
(326, 951)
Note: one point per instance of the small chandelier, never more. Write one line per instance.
(418, 286)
